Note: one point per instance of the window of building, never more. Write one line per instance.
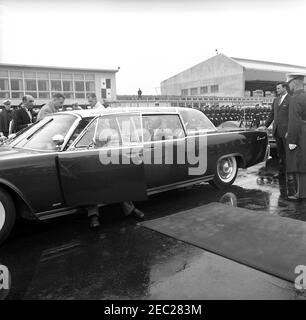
(55, 75)
(4, 84)
(214, 88)
(17, 95)
(15, 74)
(204, 90)
(194, 91)
(78, 76)
(90, 86)
(4, 94)
(30, 75)
(42, 75)
(67, 85)
(67, 76)
(103, 93)
(56, 85)
(69, 95)
(3, 73)
(43, 85)
(16, 84)
(44, 95)
(32, 93)
(184, 92)
(79, 86)
(89, 77)
(80, 95)
(108, 83)
(30, 85)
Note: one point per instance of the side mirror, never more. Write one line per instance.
(58, 140)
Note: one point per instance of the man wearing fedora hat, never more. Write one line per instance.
(5, 118)
(296, 136)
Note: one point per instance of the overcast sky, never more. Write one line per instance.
(149, 40)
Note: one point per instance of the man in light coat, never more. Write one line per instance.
(53, 106)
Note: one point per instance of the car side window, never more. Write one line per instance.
(196, 122)
(107, 134)
(88, 138)
(162, 127)
(130, 129)
(112, 131)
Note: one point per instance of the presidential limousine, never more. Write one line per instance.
(75, 159)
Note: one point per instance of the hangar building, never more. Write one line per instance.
(222, 76)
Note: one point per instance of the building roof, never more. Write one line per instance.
(269, 66)
(9, 65)
(255, 69)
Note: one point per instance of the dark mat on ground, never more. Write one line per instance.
(273, 244)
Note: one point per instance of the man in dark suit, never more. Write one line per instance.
(296, 155)
(22, 117)
(5, 118)
(279, 116)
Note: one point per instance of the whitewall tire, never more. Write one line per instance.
(225, 172)
(7, 215)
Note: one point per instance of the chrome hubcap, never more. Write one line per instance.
(2, 216)
(227, 169)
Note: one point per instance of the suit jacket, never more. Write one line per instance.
(279, 115)
(296, 159)
(21, 119)
(5, 118)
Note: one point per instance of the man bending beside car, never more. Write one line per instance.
(53, 106)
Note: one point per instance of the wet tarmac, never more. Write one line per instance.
(64, 259)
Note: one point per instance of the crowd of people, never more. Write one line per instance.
(14, 120)
(252, 116)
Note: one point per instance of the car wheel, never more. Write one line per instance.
(225, 173)
(7, 215)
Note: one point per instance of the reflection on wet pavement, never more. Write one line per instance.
(63, 259)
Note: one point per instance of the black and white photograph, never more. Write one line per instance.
(153, 151)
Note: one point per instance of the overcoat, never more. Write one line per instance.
(296, 159)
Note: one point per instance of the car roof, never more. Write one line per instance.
(88, 113)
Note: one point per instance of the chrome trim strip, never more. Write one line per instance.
(178, 185)
(55, 213)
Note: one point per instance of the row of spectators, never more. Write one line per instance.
(252, 116)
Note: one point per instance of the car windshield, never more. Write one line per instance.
(39, 136)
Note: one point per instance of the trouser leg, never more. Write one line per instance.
(93, 215)
(281, 150)
(92, 211)
(301, 185)
(291, 184)
(127, 207)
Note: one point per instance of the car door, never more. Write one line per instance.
(201, 155)
(164, 142)
(105, 164)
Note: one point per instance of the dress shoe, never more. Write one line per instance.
(94, 222)
(138, 214)
(293, 198)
